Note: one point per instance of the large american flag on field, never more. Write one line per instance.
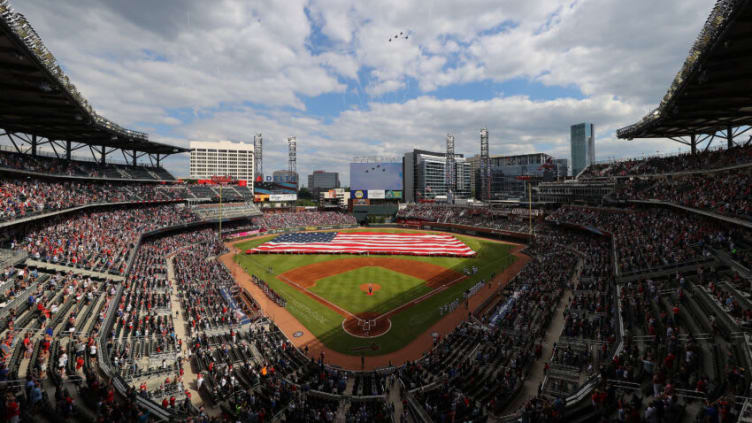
(365, 243)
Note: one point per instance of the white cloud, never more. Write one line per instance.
(138, 61)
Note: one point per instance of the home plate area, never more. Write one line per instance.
(367, 325)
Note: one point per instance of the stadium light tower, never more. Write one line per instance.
(258, 147)
(485, 165)
(449, 167)
(292, 165)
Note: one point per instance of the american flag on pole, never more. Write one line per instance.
(365, 243)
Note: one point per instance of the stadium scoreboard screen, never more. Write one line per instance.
(381, 180)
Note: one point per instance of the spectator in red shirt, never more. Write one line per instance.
(12, 409)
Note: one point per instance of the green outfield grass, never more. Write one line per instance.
(326, 324)
(395, 289)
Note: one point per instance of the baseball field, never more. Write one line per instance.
(372, 305)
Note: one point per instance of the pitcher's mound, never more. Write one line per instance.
(374, 288)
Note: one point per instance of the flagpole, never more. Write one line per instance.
(530, 205)
(220, 211)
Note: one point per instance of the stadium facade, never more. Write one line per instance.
(506, 170)
(221, 158)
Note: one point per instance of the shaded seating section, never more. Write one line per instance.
(229, 193)
(478, 369)
(55, 166)
(202, 191)
(673, 354)
(228, 210)
(727, 193)
(651, 239)
(590, 332)
(51, 332)
(704, 160)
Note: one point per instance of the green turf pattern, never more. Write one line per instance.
(395, 289)
(326, 324)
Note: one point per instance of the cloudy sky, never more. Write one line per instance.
(326, 72)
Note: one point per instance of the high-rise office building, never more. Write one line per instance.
(583, 146)
(221, 158)
(321, 180)
(425, 176)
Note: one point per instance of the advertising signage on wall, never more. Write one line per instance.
(290, 179)
(393, 195)
(359, 194)
(376, 194)
(283, 197)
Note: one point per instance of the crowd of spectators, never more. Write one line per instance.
(22, 197)
(51, 336)
(253, 372)
(703, 160)
(427, 212)
(727, 192)
(288, 220)
(651, 238)
(480, 368)
(675, 358)
(15, 280)
(199, 283)
(144, 333)
(80, 240)
(54, 166)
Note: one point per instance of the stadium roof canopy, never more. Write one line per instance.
(713, 90)
(39, 100)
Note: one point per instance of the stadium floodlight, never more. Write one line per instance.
(4, 7)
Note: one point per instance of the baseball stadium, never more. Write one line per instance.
(152, 277)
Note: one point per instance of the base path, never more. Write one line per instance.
(289, 325)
